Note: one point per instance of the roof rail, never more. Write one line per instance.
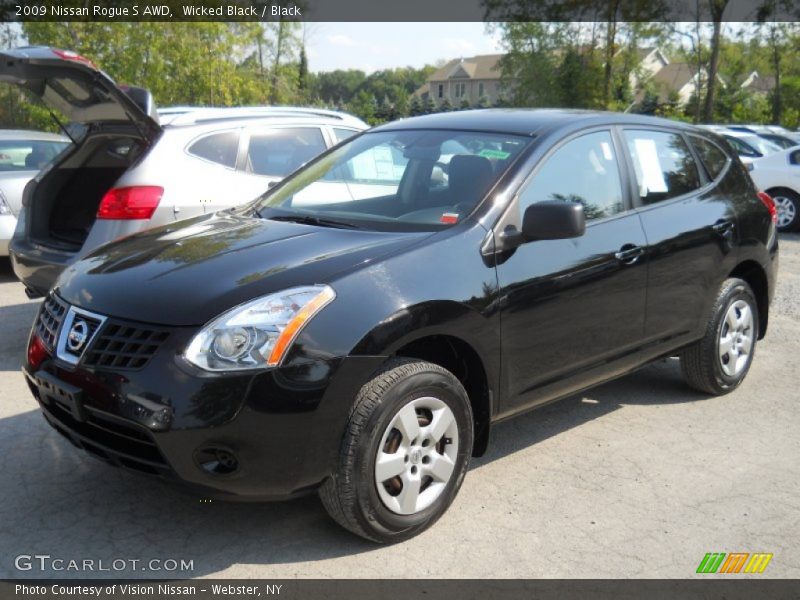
(205, 115)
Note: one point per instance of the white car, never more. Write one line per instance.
(22, 154)
(779, 176)
(749, 146)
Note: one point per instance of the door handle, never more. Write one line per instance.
(629, 254)
(723, 227)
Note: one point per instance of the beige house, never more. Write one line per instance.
(650, 62)
(479, 77)
(759, 84)
(467, 79)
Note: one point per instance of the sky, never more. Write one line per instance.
(374, 46)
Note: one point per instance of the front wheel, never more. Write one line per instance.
(404, 454)
(719, 362)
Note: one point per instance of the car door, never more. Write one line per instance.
(690, 227)
(571, 307)
(214, 183)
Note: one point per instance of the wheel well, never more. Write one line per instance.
(782, 189)
(754, 275)
(461, 360)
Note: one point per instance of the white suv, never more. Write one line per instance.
(127, 172)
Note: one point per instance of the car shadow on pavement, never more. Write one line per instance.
(6, 273)
(17, 320)
(658, 383)
(57, 500)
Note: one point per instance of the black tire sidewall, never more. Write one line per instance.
(738, 291)
(370, 510)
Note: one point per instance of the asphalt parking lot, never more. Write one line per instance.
(637, 478)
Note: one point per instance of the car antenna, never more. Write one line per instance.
(61, 125)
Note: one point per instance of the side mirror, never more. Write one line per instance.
(553, 220)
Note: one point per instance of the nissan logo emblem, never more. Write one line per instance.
(77, 336)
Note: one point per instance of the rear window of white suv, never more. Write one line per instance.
(221, 148)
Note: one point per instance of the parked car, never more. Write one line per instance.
(750, 146)
(357, 329)
(777, 135)
(22, 154)
(779, 176)
(127, 172)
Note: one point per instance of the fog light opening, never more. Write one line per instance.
(215, 460)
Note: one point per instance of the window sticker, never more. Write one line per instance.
(652, 174)
(497, 154)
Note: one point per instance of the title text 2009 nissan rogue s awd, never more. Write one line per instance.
(358, 329)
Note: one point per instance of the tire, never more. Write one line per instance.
(388, 511)
(788, 204)
(719, 362)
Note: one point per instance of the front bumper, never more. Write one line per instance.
(284, 426)
(8, 223)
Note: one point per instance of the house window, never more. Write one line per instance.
(480, 90)
(461, 89)
(441, 90)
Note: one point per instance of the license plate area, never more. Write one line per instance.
(66, 396)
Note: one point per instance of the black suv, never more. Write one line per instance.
(358, 329)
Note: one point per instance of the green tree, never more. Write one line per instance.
(415, 107)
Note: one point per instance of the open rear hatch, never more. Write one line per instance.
(116, 123)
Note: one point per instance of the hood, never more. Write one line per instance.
(188, 273)
(74, 86)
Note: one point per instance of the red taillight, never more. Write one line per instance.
(36, 352)
(70, 55)
(770, 204)
(138, 202)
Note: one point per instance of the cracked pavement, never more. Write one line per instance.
(636, 478)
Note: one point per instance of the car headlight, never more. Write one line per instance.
(259, 333)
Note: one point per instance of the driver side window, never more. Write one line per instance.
(583, 170)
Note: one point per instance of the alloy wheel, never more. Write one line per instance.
(786, 211)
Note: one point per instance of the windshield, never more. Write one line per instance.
(28, 155)
(396, 180)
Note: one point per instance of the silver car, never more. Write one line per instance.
(127, 171)
(22, 154)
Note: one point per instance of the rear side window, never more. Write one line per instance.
(583, 170)
(342, 134)
(665, 168)
(278, 152)
(220, 148)
(713, 159)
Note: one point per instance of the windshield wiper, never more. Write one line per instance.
(312, 220)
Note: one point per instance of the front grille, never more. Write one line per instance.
(123, 346)
(48, 321)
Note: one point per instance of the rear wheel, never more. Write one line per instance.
(788, 205)
(404, 454)
(719, 362)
